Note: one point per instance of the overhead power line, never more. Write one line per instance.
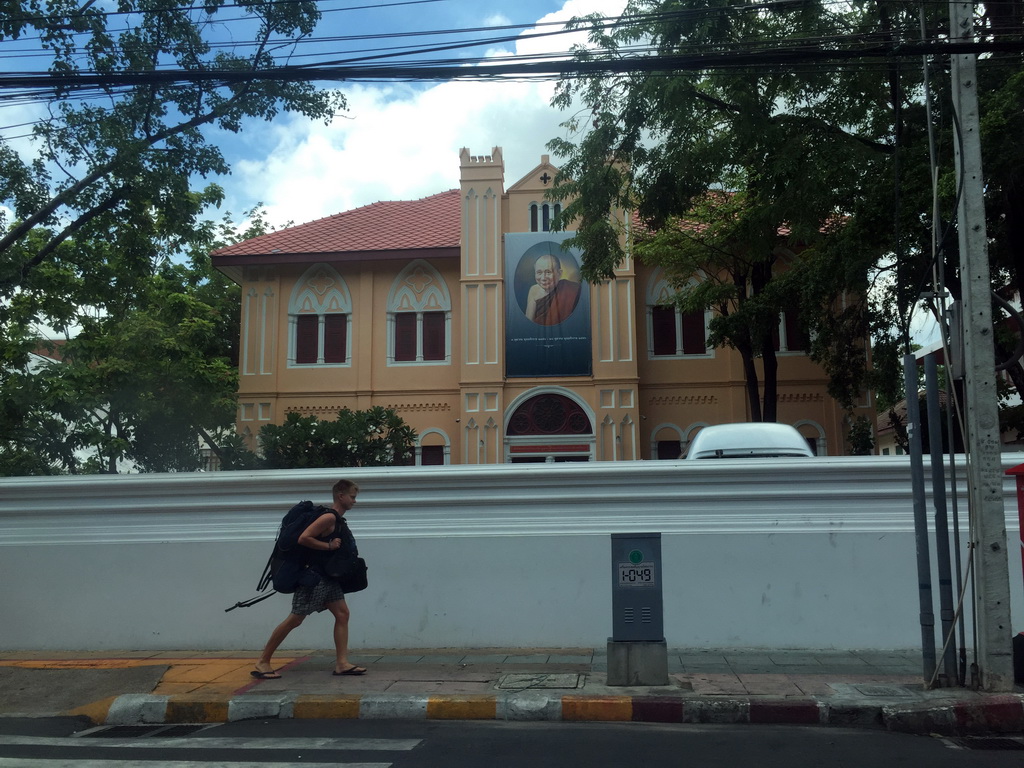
(487, 69)
(173, 8)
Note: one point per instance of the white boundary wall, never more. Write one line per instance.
(799, 554)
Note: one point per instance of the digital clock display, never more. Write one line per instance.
(637, 575)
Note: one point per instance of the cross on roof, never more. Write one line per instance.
(545, 178)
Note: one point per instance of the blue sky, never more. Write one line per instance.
(400, 140)
(396, 140)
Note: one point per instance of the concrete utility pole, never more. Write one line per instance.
(984, 475)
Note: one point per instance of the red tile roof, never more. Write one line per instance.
(397, 225)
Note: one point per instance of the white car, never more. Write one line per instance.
(749, 440)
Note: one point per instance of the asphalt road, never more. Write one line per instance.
(59, 742)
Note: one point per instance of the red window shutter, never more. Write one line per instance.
(663, 328)
(335, 338)
(694, 335)
(432, 455)
(405, 336)
(796, 339)
(433, 336)
(307, 338)
(669, 449)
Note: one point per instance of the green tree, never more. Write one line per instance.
(111, 189)
(797, 160)
(114, 165)
(33, 439)
(136, 384)
(920, 253)
(860, 439)
(148, 377)
(737, 281)
(377, 437)
(107, 196)
(146, 374)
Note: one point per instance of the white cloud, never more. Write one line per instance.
(401, 142)
(497, 20)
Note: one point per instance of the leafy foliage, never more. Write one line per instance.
(145, 374)
(860, 438)
(103, 207)
(738, 168)
(373, 438)
(116, 167)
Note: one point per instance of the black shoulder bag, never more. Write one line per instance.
(344, 565)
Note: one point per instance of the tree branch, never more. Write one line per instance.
(68, 195)
(54, 242)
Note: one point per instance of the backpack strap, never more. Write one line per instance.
(251, 601)
(265, 578)
(261, 586)
(343, 532)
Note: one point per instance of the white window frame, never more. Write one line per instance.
(660, 293)
(320, 291)
(419, 288)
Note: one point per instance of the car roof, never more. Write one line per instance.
(723, 441)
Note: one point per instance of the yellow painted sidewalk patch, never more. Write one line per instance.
(85, 663)
(215, 676)
(96, 711)
(197, 709)
(209, 676)
(207, 672)
(456, 707)
(327, 707)
(599, 708)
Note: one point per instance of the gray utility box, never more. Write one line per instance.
(637, 613)
(637, 653)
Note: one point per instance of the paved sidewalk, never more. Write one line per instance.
(870, 688)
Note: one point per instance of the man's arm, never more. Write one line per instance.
(320, 527)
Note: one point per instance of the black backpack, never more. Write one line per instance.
(289, 566)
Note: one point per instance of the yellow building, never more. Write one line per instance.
(451, 310)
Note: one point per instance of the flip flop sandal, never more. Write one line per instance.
(355, 671)
(265, 675)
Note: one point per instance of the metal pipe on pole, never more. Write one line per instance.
(924, 567)
(988, 526)
(942, 555)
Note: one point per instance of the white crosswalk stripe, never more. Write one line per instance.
(49, 762)
(79, 763)
(218, 742)
(309, 752)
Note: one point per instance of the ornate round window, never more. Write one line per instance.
(549, 415)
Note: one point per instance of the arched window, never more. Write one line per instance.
(549, 414)
(549, 425)
(318, 314)
(419, 317)
(542, 215)
(433, 448)
(814, 435)
(790, 335)
(667, 442)
(671, 332)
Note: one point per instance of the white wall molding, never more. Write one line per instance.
(817, 554)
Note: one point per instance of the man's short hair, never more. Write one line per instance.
(342, 487)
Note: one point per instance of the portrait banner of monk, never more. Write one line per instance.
(547, 307)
